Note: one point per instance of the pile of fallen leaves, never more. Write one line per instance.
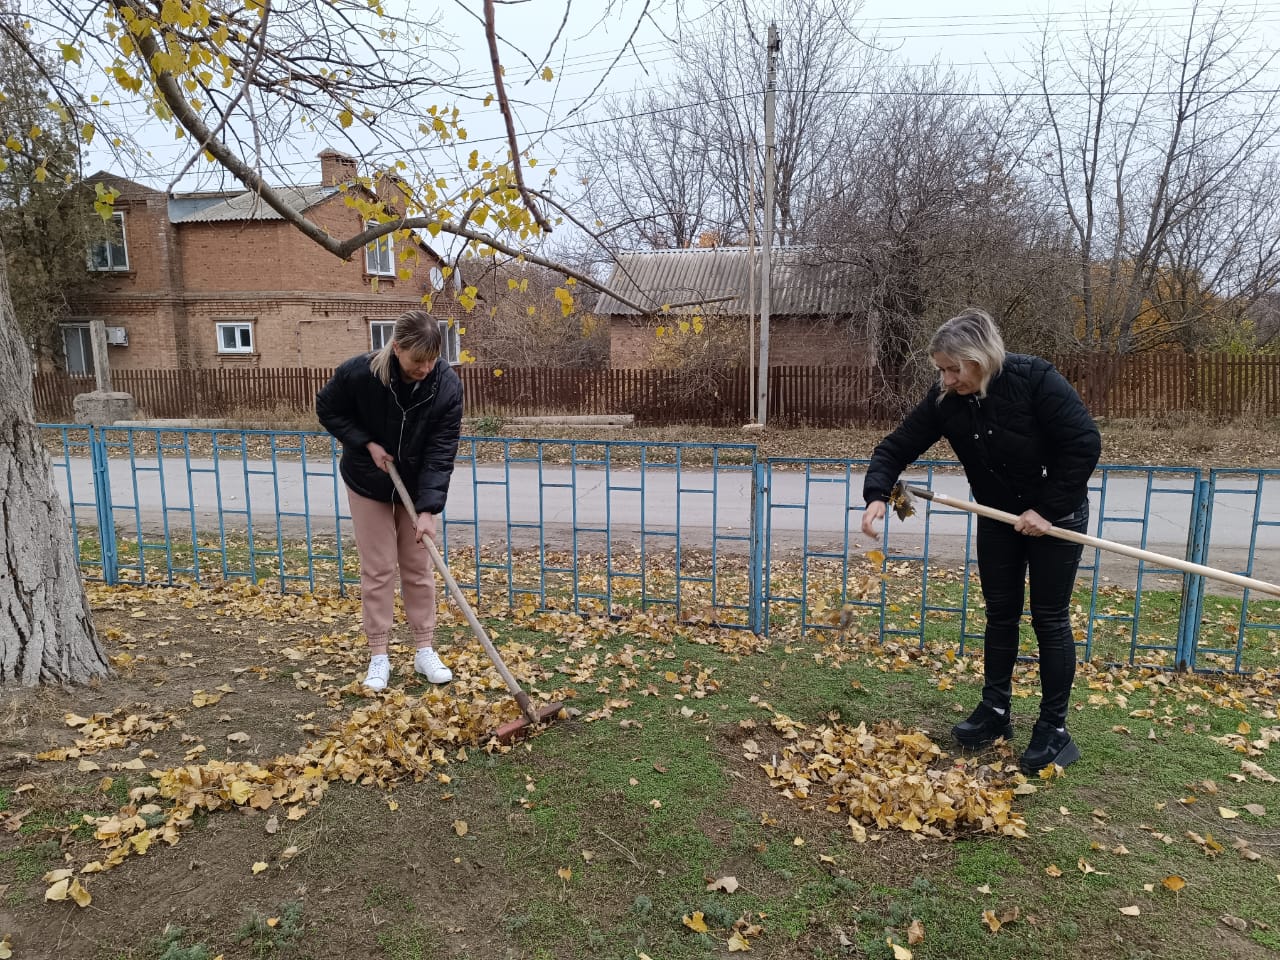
(887, 777)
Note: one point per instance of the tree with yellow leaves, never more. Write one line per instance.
(245, 82)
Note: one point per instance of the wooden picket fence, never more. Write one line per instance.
(1219, 386)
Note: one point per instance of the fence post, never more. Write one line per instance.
(759, 496)
(102, 503)
(1193, 583)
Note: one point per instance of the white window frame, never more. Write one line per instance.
(380, 333)
(380, 255)
(450, 345)
(86, 349)
(239, 326)
(107, 247)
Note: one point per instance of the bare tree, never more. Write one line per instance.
(930, 214)
(1154, 143)
(522, 322)
(649, 179)
(680, 163)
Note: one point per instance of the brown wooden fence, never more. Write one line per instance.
(1219, 386)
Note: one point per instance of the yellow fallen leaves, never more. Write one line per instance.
(258, 868)
(107, 731)
(63, 886)
(888, 777)
(6, 948)
(695, 922)
(993, 921)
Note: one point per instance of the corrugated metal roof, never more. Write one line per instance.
(244, 206)
(804, 281)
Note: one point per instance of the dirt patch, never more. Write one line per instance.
(204, 686)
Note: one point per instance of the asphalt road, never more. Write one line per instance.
(522, 503)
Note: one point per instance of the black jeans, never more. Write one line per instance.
(1006, 560)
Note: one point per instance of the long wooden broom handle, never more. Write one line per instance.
(1138, 553)
(477, 628)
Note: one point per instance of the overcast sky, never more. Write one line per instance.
(989, 38)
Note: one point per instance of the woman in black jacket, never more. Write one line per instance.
(1028, 447)
(403, 405)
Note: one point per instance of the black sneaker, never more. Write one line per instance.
(1048, 745)
(984, 727)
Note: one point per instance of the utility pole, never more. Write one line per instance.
(101, 364)
(751, 278)
(766, 245)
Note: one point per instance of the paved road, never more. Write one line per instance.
(804, 509)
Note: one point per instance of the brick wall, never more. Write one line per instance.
(306, 307)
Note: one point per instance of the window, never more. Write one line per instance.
(110, 254)
(77, 348)
(449, 341)
(379, 256)
(235, 337)
(381, 332)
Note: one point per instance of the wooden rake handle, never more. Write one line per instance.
(477, 628)
(1137, 553)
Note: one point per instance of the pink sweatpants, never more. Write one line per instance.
(385, 538)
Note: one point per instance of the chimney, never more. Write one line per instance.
(336, 167)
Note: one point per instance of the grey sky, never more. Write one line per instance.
(989, 39)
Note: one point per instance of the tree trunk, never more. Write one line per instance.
(46, 631)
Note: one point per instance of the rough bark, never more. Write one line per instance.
(46, 630)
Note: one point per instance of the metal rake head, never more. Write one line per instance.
(902, 500)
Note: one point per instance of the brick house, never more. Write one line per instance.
(812, 321)
(219, 279)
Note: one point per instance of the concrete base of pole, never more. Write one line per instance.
(102, 408)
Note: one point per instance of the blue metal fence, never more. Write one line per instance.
(707, 532)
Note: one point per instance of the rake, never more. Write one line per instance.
(512, 730)
(903, 494)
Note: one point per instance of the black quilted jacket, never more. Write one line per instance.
(418, 424)
(1029, 444)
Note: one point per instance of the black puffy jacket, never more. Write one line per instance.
(417, 423)
(1029, 444)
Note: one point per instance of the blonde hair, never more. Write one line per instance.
(416, 333)
(971, 335)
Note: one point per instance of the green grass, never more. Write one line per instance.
(697, 829)
(599, 867)
(264, 935)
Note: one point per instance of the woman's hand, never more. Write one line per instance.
(872, 519)
(426, 526)
(1032, 524)
(380, 456)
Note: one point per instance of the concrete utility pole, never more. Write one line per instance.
(766, 245)
(751, 278)
(101, 363)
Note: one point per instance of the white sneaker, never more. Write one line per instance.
(379, 673)
(427, 662)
